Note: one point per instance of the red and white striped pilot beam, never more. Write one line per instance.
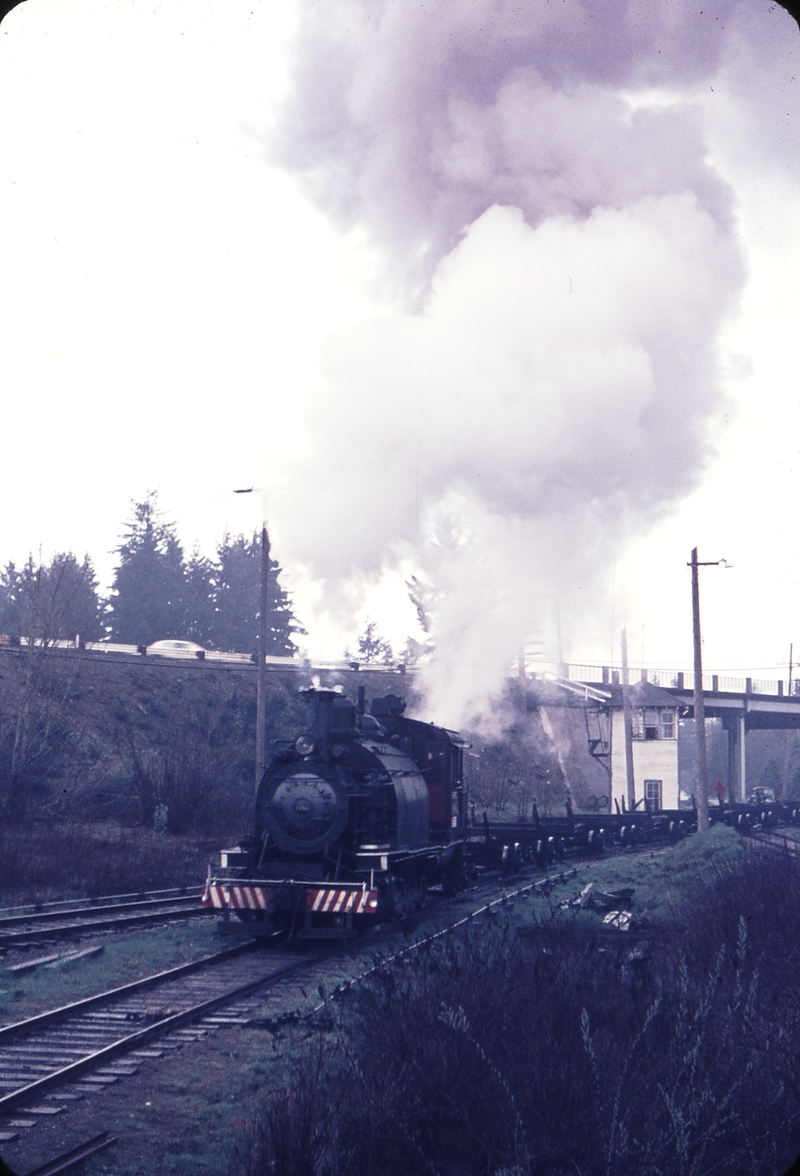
(237, 898)
(333, 900)
(338, 901)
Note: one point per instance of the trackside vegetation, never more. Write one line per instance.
(554, 1046)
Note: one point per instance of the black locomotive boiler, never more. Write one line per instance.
(354, 819)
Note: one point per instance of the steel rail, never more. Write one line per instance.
(136, 905)
(14, 938)
(67, 1161)
(540, 886)
(777, 841)
(123, 1044)
(79, 904)
(18, 1028)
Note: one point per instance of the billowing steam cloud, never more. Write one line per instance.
(565, 256)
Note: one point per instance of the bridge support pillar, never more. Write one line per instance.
(737, 744)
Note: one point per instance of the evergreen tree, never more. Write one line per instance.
(372, 648)
(200, 609)
(51, 602)
(147, 596)
(238, 600)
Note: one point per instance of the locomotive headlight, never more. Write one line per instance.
(304, 745)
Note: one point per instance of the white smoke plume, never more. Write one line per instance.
(564, 256)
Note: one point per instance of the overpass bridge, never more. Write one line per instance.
(741, 704)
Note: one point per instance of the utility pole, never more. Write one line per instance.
(791, 651)
(785, 778)
(627, 722)
(263, 628)
(701, 764)
(261, 685)
(521, 680)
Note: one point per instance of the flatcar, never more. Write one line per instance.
(354, 820)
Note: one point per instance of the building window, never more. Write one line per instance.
(637, 722)
(653, 722)
(652, 795)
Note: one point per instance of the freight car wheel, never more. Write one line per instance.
(596, 842)
(456, 877)
(510, 859)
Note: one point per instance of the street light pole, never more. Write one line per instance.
(261, 688)
(263, 630)
(701, 762)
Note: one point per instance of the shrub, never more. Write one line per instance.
(566, 1051)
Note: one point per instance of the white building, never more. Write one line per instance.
(655, 748)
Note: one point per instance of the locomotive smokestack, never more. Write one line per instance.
(321, 700)
(333, 714)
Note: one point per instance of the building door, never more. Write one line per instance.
(652, 795)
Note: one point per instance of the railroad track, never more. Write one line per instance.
(775, 840)
(69, 1160)
(50, 1060)
(54, 920)
(55, 1058)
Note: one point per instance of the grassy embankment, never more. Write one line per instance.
(548, 1045)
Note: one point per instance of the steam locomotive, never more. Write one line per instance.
(354, 819)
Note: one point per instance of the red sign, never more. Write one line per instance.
(719, 787)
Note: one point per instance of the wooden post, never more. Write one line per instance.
(627, 720)
(701, 766)
(791, 651)
(262, 654)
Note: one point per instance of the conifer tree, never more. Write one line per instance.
(237, 599)
(147, 597)
(372, 647)
(51, 602)
(200, 600)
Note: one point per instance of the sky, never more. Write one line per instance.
(502, 297)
